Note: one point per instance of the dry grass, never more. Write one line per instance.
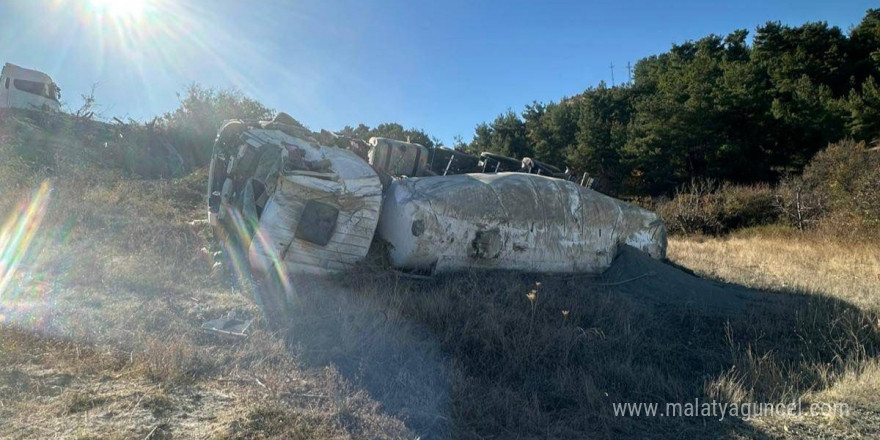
(819, 266)
(472, 355)
(99, 323)
(783, 259)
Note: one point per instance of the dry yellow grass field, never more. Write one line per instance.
(780, 259)
(810, 263)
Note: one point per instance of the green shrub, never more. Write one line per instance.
(847, 175)
(746, 205)
(839, 187)
(191, 128)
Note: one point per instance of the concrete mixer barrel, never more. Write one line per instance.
(511, 221)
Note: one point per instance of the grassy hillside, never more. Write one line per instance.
(106, 279)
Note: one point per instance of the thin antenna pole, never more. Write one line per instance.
(612, 73)
(629, 71)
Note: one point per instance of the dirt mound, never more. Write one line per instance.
(642, 278)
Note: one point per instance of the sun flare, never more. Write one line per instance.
(125, 9)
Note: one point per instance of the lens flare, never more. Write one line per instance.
(23, 290)
(153, 45)
(270, 269)
(17, 235)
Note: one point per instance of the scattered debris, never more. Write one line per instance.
(229, 325)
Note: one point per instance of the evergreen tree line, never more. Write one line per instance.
(717, 108)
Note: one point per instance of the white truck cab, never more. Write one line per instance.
(28, 89)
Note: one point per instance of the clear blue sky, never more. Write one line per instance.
(442, 66)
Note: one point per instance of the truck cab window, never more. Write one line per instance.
(35, 87)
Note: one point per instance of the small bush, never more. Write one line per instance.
(800, 203)
(847, 175)
(706, 207)
(745, 206)
(192, 126)
(691, 210)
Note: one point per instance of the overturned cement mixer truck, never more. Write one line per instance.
(312, 203)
